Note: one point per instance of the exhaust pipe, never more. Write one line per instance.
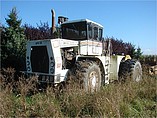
(53, 23)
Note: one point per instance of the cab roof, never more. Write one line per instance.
(81, 20)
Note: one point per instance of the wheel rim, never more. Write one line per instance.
(93, 81)
(138, 73)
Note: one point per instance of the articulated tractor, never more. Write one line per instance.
(82, 52)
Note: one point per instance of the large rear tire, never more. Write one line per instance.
(89, 75)
(130, 69)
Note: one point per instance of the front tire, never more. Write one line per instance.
(88, 72)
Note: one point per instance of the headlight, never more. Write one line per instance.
(52, 64)
(28, 68)
(52, 70)
(28, 63)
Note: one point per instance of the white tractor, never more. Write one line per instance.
(82, 52)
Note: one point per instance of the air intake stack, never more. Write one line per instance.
(62, 19)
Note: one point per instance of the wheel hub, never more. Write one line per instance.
(93, 80)
(137, 74)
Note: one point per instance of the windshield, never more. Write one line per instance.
(77, 31)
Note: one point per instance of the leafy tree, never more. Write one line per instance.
(57, 33)
(120, 47)
(13, 43)
(42, 31)
(137, 53)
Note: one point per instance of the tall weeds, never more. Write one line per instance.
(21, 98)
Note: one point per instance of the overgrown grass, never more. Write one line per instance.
(129, 99)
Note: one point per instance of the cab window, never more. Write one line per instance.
(90, 32)
(100, 34)
(95, 33)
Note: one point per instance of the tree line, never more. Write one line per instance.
(14, 37)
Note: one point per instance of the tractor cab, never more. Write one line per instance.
(87, 33)
(83, 29)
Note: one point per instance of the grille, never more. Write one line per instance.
(39, 59)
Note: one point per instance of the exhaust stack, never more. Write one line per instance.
(53, 23)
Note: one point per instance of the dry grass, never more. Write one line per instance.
(129, 99)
